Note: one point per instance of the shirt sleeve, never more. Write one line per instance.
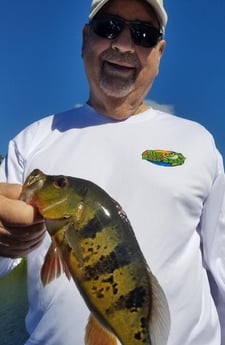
(213, 242)
(10, 171)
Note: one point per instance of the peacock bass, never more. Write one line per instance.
(93, 241)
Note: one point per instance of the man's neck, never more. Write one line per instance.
(116, 109)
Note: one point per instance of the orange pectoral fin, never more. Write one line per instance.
(53, 265)
(96, 334)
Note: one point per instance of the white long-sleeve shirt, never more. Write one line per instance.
(177, 213)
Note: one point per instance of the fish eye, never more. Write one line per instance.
(60, 182)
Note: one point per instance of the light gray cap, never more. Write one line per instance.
(96, 5)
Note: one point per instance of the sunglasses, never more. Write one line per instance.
(143, 34)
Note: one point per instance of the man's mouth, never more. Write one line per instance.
(118, 67)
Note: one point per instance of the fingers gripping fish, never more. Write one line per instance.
(93, 241)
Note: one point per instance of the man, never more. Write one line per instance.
(165, 172)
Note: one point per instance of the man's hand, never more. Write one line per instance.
(21, 227)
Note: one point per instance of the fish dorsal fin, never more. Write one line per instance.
(159, 326)
(54, 265)
(96, 334)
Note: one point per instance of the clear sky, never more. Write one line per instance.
(41, 70)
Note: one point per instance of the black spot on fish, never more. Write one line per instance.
(143, 333)
(95, 225)
(115, 288)
(137, 335)
(91, 228)
(100, 293)
(109, 280)
(135, 299)
(119, 257)
(132, 301)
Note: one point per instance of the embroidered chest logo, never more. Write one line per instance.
(162, 157)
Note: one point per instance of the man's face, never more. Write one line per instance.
(118, 67)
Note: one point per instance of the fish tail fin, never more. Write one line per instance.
(96, 334)
(159, 325)
(53, 265)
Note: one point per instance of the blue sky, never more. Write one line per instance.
(41, 70)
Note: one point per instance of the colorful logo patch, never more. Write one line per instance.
(162, 157)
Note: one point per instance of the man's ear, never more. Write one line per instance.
(84, 37)
(162, 46)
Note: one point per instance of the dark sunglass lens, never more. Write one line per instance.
(107, 28)
(145, 35)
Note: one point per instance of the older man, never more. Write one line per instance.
(165, 171)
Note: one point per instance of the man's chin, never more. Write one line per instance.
(116, 88)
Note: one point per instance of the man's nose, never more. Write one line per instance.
(124, 42)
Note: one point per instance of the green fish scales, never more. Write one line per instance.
(100, 250)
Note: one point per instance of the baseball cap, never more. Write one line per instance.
(96, 5)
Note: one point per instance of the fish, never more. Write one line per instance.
(94, 243)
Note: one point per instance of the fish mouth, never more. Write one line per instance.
(33, 183)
